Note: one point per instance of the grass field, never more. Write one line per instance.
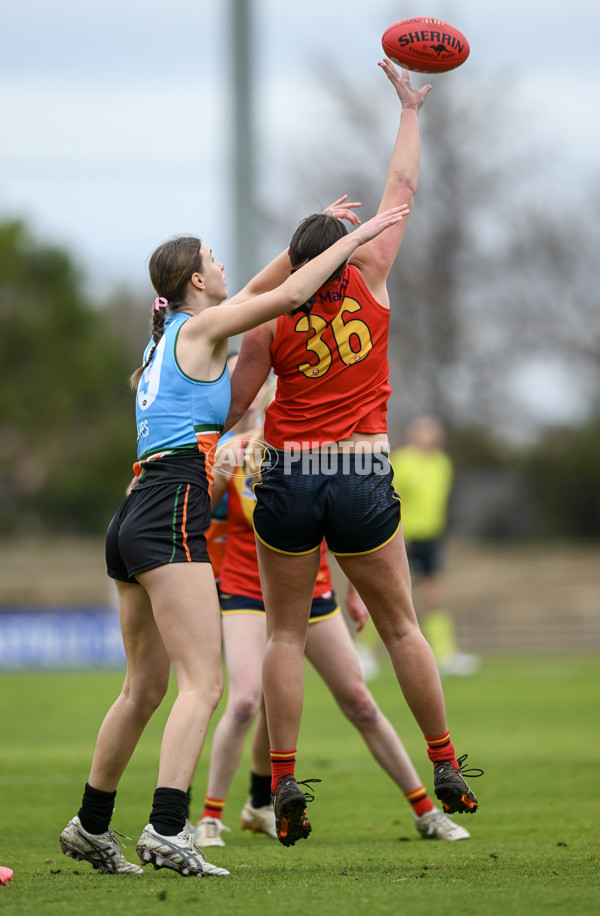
(530, 722)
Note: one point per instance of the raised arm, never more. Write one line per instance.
(268, 278)
(231, 318)
(251, 371)
(375, 259)
(276, 272)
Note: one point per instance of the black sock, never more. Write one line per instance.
(189, 802)
(260, 790)
(96, 809)
(169, 810)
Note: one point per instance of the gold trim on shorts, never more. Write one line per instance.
(287, 553)
(363, 553)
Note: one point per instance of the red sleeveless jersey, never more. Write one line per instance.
(239, 568)
(332, 367)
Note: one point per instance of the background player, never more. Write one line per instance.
(423, 478)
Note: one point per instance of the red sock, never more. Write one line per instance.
(283, 763)
(441, 748)
(213, 807)
(420, 801)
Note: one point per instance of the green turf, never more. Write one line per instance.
(531, 723)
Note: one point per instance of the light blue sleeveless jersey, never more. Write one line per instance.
(174, 411)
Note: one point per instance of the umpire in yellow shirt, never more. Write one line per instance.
(423, 476)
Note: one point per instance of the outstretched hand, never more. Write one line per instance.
(342, 210)
(373, 227)
(408, 95)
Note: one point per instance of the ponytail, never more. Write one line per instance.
(171, 266)
(159, 307)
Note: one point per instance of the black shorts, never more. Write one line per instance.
(321, 608)
(348, 499)
(425, 557)
(162, 521)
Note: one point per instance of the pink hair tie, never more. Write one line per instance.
(159, 303)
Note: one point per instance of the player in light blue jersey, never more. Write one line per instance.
(156, 546)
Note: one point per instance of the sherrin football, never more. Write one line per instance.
(425, 45)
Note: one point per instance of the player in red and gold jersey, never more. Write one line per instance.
(346, 327)
(331, 650)
(326, 474)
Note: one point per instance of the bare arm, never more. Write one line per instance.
(251, 371)
(219, 486)
(356, 607)
(215, 324)
(228, 457)
(375, 259)
(276, 272)
(268, 278)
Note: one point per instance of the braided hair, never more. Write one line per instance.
(171, 267)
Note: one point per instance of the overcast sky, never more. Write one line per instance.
(116, 114)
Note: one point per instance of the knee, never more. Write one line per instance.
(391, 637)
(360, 708)
(393, 631)
(244, 709)
(204, 689)
(212, 693)
(146, 695)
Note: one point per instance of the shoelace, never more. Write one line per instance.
(114, 834)
(309, 795)
(189, 841)
(473, 773)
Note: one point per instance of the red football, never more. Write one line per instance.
(425, 45)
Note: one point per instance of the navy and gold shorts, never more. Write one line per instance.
(321, 608)
(348, 499)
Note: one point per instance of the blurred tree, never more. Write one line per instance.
(549, 288)
(66, 417)
(563, 476)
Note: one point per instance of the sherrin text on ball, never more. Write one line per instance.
(425, 45)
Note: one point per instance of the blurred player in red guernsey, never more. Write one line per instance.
(327, 475)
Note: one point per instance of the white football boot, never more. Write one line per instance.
(99, 849)
(208, 830)
(177, 852)
(437, 826)
(259, 820)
